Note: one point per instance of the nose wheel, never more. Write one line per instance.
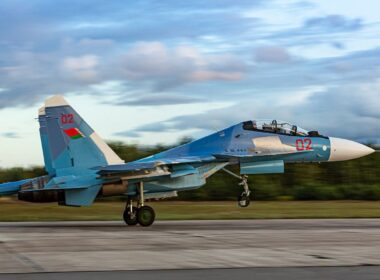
(244, 200)
(142, 214)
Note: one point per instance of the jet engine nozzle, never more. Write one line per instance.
(343, 149)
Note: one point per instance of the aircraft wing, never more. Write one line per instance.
(127, 167)
(152, 165)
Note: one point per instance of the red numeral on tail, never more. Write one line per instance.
(67, 118)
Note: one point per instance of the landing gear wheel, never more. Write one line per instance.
(130, 218)
(244, 200)
(145, 216)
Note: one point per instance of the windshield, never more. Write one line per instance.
(275, 126)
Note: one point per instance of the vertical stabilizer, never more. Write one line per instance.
(72, 142)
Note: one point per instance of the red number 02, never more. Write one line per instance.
(303, 144)
(68, 118)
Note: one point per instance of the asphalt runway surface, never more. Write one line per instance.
(283, 273)
(299, 249)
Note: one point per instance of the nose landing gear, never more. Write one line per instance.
(142, 214)
(244, 198)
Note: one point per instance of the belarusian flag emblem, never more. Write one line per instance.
(74, 133)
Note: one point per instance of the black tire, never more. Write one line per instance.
(130, 218)
(145, 216)
(244, 200)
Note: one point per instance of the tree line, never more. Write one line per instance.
(356, 179)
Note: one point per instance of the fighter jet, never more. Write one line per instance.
(81, 167)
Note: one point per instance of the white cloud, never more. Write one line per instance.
(80, 63)
(173, 66)
(82, 68)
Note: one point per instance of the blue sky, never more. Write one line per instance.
(151, 72)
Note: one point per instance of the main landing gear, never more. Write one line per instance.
(244, 198)
(141, 214)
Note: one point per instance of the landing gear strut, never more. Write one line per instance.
(244, 198)
(142, 214)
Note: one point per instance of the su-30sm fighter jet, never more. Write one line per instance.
(82, 167)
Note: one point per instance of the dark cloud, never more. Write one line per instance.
(333, 23)
(356, 67)
(341, 67)
(184, 26)
(129, 134)
(209, 121)
(153, 127)
(352, 69)
(101, 9)
(11, 135)
(318, 30)
(159, 99)
(43, 23)
(272, 54)
(338, 45)
(348, 112)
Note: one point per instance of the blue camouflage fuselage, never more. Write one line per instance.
(237, 142)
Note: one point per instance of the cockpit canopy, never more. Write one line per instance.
(276, 126)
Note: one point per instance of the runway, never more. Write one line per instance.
(262, 273)
(180, 245)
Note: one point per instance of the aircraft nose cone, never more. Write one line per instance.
(342, 149)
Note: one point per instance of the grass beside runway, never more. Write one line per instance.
(11, 210)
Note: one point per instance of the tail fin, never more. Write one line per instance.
(68, 141)
(45, 141)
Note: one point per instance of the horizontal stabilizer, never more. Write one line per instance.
(12, 187)
(81, 197)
